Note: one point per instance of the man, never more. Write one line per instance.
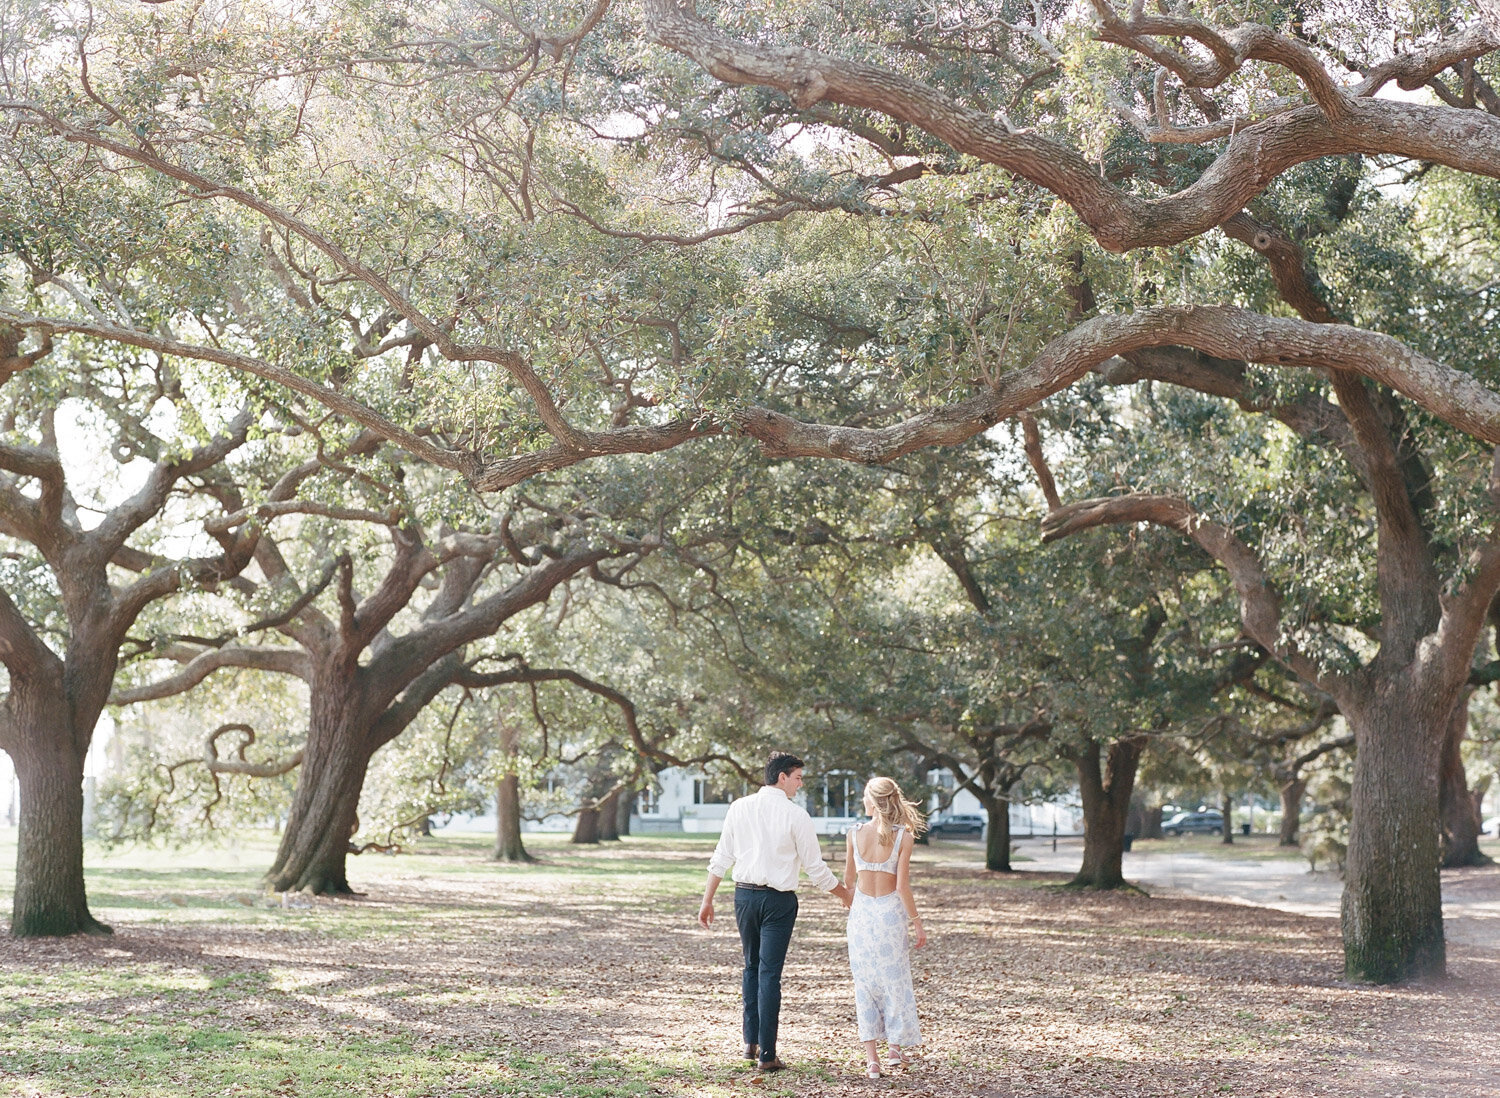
(767, 838)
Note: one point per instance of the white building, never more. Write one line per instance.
(686, 800)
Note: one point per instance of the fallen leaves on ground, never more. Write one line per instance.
(1024, 990)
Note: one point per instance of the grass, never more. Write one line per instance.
(583, 976)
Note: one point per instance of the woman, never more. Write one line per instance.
(877, 868)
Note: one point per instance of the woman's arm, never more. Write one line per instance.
(903, 887)
(849, 859)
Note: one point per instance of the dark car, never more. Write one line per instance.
(1188, 823)
(955, 823)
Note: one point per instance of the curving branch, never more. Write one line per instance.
(1228, 51)
(498, 473)
(22, 651)
(198, 665)
(12, 360)
(239, 764)
(436, 334)
(111, 534)
(38, 520)
(328, 397)
(223, 524)
(1224, 332)
(1120, 221)
(469, 678)
(1260, 605)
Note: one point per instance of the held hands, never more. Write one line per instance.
(845, 894)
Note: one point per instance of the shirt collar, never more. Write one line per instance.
(774, 789)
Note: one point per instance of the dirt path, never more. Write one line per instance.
(1025, 990)
(1471, 896)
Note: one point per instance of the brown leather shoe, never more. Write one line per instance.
(752, 1052)
(768, 1066)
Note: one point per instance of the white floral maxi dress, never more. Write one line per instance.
(880, 960)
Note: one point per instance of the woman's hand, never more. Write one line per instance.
(921, 935)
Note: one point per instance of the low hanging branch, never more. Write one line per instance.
(216, 765)
(238, 764)
(470, 678)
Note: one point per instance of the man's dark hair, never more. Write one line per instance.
(781, 762)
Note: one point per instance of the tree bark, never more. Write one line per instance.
(509, 846)
(1392, 911)
(1228, 818)
(1106, 800)
(315, 845)
(997, 833)
(1458, 808)
(1152, 826)
(50, 899)
(626, 807)
(608, 812)
(586, 829)
(1291, 810)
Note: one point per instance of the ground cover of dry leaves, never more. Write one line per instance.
(586, 975)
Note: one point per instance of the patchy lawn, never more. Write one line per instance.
(585, 975)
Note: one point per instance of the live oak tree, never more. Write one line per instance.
(119, 490)
(1151, 129)
(74, 588)
(377, 632)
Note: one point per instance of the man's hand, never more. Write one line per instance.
(706, 908)
(844, 893)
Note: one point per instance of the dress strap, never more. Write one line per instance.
(889, 864)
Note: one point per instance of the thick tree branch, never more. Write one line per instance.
(21, 650)
(199, 666)
(1221, 331)
(1120, 221)
(39, 520)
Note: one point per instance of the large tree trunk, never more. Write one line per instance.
(997, 833)
(608, 812)
(586, 828)
(1151, 829)
(1392, 912)
(1106, 800)
(48, 756)
(315, 845)
(1460, 813)
(508, 844)
(1228, 818)
(1291, 810)
(623, 808)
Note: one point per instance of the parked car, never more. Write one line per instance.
(1188, 823)
(955, 823)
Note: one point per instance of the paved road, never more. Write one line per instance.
(1471, 897)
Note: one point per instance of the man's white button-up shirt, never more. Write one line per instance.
(767, 838)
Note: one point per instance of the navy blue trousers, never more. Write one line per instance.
(765, 920)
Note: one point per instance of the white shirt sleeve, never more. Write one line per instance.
(724, 856)
(810, 856)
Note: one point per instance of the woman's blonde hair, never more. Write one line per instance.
(892, 809)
